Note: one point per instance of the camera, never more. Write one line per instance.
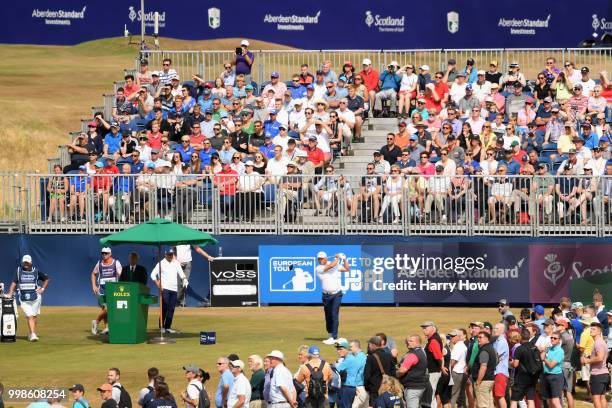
(238, 50)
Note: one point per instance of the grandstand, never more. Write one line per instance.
(529, 200)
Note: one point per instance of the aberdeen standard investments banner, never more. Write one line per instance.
(359, 24)
(432, 273)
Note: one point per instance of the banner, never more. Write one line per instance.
(386, 24)
(433, 273)
(234, 282)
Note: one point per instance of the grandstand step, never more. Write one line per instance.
(353, 168)
(355, 159)
(368, 145)
(382, 121)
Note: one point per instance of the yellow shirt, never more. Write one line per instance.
(586, 342)
(565, 143)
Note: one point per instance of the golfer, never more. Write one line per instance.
(106, 270)
(329, 273)
(171, 271)
(30, 283)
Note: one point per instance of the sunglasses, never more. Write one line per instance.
(554, 338)
(424, 157)
(438, 77)
(443, 154)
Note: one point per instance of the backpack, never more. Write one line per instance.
(534, 364)
(125, 401)
(203, 400)
(317, 387)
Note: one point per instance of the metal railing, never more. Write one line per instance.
(396, 204)
(209, 64)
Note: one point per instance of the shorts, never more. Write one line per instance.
(599, 384)
(552, 386)
(500, 386)
(585, 372)
(31, 308)
(101, 302)
(411, 94)
(520, 391)
(568, 375)
(57, 195)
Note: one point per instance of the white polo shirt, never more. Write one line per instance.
(330, 279)
(241, 386)
(170, 272)
(459, 353)
(183, 253)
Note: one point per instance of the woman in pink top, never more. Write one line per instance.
(524, 117)
(425, 166)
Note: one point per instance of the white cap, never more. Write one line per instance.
(106, 250)
(26, 258)
(246, 43)
(366, 61)
(321, 254)
(237, 363)
(277, 354)
(394, 63)
(424, 67)
(481, 72)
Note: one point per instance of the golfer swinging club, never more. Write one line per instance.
(329, 273)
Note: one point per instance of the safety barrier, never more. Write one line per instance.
(209, 64)
(251, 203)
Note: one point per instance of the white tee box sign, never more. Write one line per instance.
(207, 338)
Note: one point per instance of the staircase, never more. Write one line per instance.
(373, 137)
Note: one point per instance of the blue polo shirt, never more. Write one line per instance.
(205, 155)
(205, 103)
(226, 378)
(591, 142)
(555, 353)
(354, 370)
(514, 167)
(137, 168)
(113, 142)
(79, 183)
(185, 153)
(297, 91)
(80, 403)
(390, 81)
(267, 151)
(271, 128)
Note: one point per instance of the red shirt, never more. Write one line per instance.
(431, 103)
(315, 155)
(606, 92)
(197, 140)
(441, 89)
(154, 140)
(428, 170)
(129, 91)
(227, 181)
(100, 182)
(110, 170)
(370, 80)
(410, 360)
(519, 156)
(435, 348)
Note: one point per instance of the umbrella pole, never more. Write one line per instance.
(161, 339)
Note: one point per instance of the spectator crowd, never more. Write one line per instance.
(466, 138)
(534, 359)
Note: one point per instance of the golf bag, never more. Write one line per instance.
(8, 319)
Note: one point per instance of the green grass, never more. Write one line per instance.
(68, 353)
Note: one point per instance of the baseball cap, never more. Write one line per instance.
(301, 153)
(150, 165)
(249, 87)
(468, 87)
(114, 124)
(424, 67)
(314, 350)
(539, 309)
(452, 61)
(273, 111)
(155, 73)
(584, 69)
(481, 72)
(246, 43)
(494, 85)
(439, 168)
(77, 387)
(276, 354)
(488, 325)
(282, 126)
(366, 61)
(503, 302)
(248, 162)
(321, 254)
(515, 143)
(312, 137)
(586, 125)
(105, 387)
(454, 333)
(479, 324)
(577, 86)
(191, 368)
(493, 62)
(393, 64)
(92, 123)
(274, 74)
(99, 164)
(428, 323)
(470, 61)
(206, 92)
(82, 168)
(26, 258)
(292, 164)
(170, 250)
(414, 137)
(514, 64)
(237, 363)
(562, 322)
(342, 343)
(548, 99)
(154, 151)
(461, 74)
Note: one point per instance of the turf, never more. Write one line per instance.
(68, 353)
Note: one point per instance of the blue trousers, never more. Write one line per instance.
(169, 298)
(347, 395)
(331, 306)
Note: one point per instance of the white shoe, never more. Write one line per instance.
(94, 327)
(171, 331)
(33, 337)
(105, 331)
(329, 341)
(162, 330)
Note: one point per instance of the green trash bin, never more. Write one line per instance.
(128, 306)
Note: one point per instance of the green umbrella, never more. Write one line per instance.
(158, 232)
